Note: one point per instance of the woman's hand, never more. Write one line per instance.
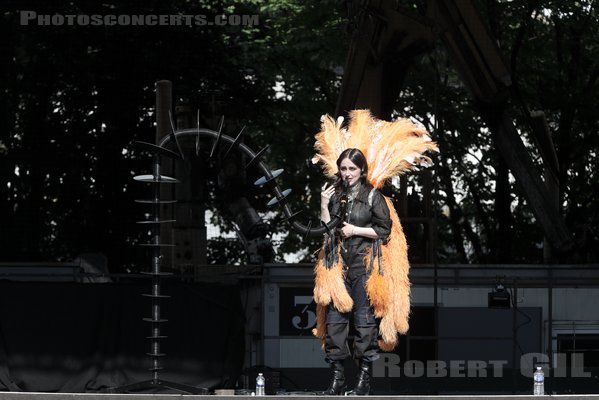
(348, 230)
(325, 195)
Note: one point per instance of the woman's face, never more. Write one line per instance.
(349, 171)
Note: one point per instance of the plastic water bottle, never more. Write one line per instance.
(539, 378)
(260, 382)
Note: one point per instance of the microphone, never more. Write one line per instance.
(344, 190)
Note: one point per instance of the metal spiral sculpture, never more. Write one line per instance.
(268, 178)
(156, 179)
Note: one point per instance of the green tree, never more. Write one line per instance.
(552, 54)
(77, 97)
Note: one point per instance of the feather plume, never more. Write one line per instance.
(391, 148)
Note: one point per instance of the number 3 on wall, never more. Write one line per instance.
(306, 318)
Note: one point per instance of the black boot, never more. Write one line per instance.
(337, 385)
(362, 387)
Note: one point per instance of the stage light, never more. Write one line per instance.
(499, 297)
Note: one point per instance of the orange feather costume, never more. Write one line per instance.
(391, 148)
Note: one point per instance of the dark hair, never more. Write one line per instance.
(358, 158)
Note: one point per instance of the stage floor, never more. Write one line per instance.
(100, 396)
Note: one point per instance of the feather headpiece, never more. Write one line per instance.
(391, 148)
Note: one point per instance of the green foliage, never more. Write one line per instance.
(551, 49)
(75, 98)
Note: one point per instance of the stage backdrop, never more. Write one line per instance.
(74, 337)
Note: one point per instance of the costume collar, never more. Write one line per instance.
(363, 193)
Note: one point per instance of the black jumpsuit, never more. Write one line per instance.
(361, 213)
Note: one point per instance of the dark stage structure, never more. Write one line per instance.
(89, 337)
